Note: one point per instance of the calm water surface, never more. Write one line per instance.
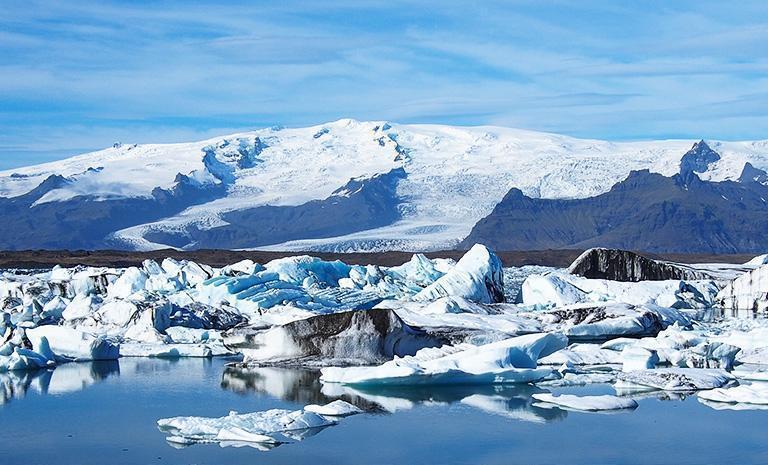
(106, 412)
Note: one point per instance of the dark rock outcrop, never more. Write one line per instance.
(751, 174)
(646, 211)
(697, 160)
(623, 265)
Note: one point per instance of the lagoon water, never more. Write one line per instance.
(106, 413)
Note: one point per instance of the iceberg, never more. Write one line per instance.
(359, 337)
(508, 361)
(747, 292)
(550, 290)
(26, 359)
(587, 403)
(638, 358)
(337, 408)
(71, 344)
(478, 276)
(753, 394)
(270, 426)
(678, 379)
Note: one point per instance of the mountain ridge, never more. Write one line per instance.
(146, 197)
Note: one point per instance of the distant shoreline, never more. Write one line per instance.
(118, 258)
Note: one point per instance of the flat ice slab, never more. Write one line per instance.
(587, 403)
(267, 427)
(754, 394)
(677, 379)
(509, 361)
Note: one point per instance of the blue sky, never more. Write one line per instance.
(77, 75)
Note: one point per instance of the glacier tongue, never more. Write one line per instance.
(453, 177)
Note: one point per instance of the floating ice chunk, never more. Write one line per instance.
(746, 292)
(235, 434)
(550, 290)
(679, 379)
(82, 306)
(420, 270)
(188, 273)
(247, 427)
(490, 324)
(757, 375)
(445, 305)
(579, 379)
(131, 281)
(709, 355)
(54, 308)
(755, 393)
(295, 270)
(360, 337)
(478, 276)
(583, 354)
(25, 359)
(587, 403)
(509, 361)
(73, 344)
(245, 267)
(638, 358)
(171, 350)
(337, 408)
(598, 322)
(619, 344)
(180, 334)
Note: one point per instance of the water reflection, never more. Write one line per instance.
(303, 386)
(70, 377)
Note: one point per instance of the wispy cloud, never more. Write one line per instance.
(82, 74)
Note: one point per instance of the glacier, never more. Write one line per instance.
(187, 195)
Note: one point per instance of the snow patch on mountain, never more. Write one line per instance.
(454, 175)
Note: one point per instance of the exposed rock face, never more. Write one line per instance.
(623, 265)
(360, 204)
(748, 292)
(87, 222)
(646, 211)
(697, 160)
(357, 337)
(752, 174)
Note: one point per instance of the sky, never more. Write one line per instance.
(78, 76)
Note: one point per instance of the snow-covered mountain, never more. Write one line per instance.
(345, 185)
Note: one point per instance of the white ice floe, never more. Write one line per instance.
(271, 426)
(337, 408)
(559, 289)
(580, 379)
(73, 344)
(508, 361)
(603, 321)
(753, 394)
(172, 350)
(638, 358)
(677, 379)
(587, 403)
(583, 354)
(550, 290)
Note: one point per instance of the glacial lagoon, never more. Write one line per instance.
(107, 412)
